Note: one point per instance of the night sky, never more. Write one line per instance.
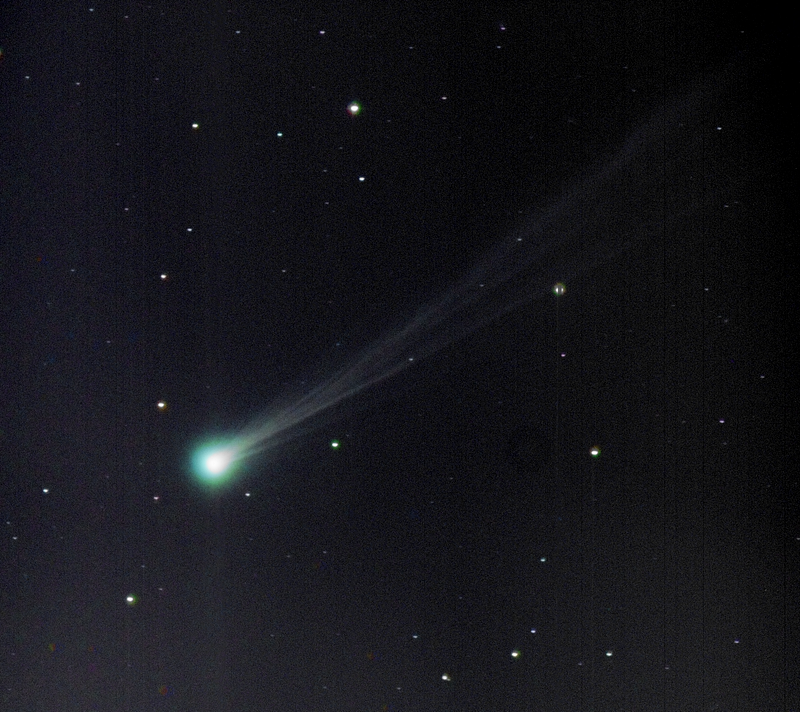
(489, 312)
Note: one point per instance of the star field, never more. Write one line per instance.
(399, 358)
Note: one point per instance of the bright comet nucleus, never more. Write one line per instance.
(215, 462)
(218, 462)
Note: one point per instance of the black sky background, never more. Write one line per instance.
(641, 152)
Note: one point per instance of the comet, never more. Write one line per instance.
(610, 207)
